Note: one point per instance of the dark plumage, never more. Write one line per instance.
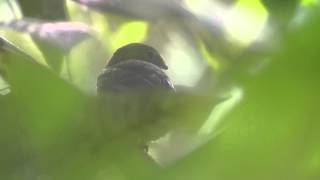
(134, 67)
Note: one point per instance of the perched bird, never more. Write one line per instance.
(134, 67)
(135, 83)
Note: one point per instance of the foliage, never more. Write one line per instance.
(241, 111)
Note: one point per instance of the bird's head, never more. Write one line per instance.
(137, 51)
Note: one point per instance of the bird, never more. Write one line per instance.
(135, 67)
(132, 87)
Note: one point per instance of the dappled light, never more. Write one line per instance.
(159, 89)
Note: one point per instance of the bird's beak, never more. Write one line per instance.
(165, 67)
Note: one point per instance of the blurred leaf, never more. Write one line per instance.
(33, 84)
(281, 12)
(142, 9)
(274, 132)
(51, 37)
(38, 114)
(278, 7)
(43, 9)
(53, 33)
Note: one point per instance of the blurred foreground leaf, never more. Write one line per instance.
(274, 132)
(52, 121)
(55, 39)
